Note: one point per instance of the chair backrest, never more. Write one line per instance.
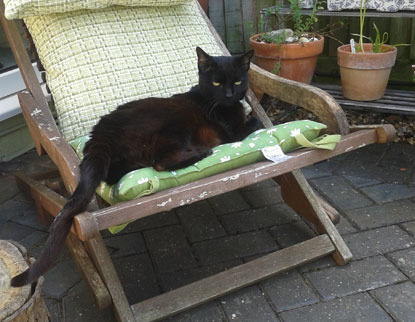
(97, 59)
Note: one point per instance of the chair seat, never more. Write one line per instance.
(146, 181)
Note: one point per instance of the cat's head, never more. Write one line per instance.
(223, 79)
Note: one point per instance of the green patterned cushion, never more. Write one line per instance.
(288, 136)
(17, 9)
(96, 60)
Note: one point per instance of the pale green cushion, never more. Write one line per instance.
(96, 60)
(288, 136)
(17, 9)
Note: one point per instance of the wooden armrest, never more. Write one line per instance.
(385, 132)
(46, 135)
(309, 97)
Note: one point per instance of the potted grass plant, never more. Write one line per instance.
(290, 53)
(365, 67)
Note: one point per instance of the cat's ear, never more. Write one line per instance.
(245, 59)
(204, 61)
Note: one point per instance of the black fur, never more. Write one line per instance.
(164, 133)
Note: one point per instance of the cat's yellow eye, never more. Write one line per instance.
(238, 83)
(215, 84)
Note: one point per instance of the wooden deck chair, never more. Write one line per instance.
(86, 243)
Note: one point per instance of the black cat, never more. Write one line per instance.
(163, 133)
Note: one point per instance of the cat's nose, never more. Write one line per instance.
(228, 93)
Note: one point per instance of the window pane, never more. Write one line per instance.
(6, 57)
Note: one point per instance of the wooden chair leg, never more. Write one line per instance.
(298, 194)
(103, 262)
(49, 202)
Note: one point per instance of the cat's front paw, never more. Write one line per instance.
(204, 152)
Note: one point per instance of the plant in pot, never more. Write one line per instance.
(365, 67)
(290, 53)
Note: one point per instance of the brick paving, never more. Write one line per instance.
(373, 188)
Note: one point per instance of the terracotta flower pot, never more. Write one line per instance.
(364, 76)
(297, 61)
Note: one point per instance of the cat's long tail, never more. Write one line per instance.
(93, 170)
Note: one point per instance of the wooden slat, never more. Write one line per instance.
(217, 17)
(394, 101)
(214, 185)
(234, 29)
(231, 280)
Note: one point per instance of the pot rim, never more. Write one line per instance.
(368, 61)
(347, 52)
(252, 39)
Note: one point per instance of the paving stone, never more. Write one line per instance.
(378, 241)
(126, 244)
(288, 291)
(54, 309)
(208, 312)
(358, 276)
(259, 198)
(154, 221)
(228, 202)
(370, 154)
(200, 222)
(344, 227)
(382, 215)
(398, 300)
(172, 280)
(409, 227)
(169, 249)
(326, 261)
(13, 231)
(355, 308)
(248, 305)
(368, 170)
(137, 277)
(254, 219)
(36, 238)
(389, 192)
(405, 260)
(321, 169)
(366, 163)
(80, 307)
(8, 187)
(400, 155)
(10, 209)
(341, 193)
(228, 248)
(360, 182)
(30, 219)
(291, 234)
(60, 278)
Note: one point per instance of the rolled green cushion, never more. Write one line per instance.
(289, 136)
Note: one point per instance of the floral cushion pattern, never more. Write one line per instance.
(145, 181)
(379, 5)
(17, 9)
